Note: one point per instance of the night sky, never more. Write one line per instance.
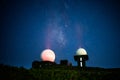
(27, 27)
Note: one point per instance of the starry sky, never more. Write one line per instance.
(27, 27)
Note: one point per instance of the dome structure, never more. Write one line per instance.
(80, 57)
(81, 51)
(48, 55)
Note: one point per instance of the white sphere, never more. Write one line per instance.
(48, 55)
(81, 51)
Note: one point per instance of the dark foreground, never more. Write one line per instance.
(58, 73)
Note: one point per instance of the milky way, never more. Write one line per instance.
(59, 25)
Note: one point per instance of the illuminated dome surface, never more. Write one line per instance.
(81, 51)
(48, 55)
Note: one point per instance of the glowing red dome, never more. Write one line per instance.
(48, 55)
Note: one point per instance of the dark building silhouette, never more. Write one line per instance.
(46, 64)
(42, 64)
(35, 64)
(64, 62)
(81, 60)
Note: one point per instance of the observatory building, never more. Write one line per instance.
(81, 56)
(48, 59)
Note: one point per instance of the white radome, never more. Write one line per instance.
(48, 55)
(81, 51)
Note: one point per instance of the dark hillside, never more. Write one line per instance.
(58, 73)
